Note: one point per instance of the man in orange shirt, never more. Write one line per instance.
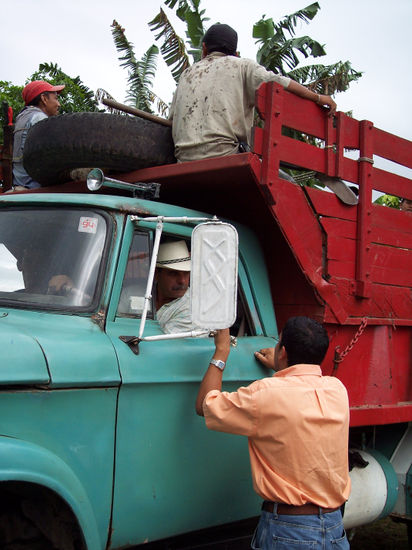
(297, 424)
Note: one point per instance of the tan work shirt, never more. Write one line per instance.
(297, 422)
(212, 109)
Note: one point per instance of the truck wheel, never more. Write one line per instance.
(18, 532)
(33, 518)
(58, 144)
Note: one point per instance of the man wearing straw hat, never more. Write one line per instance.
(172, 285)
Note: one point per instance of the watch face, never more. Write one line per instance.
(218, 363)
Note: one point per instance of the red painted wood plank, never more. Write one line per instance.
(388, 265)
(391, 237)
(392, 184)
(391, 218)
(327, 204)
(393, 147)
(349, 131)
(304, 116)
(383, 414)
(340, 248)
(301, 154)
(391, 257)
(388, 276)
(339, 228)
(340, 269)
(257, 140)
(347, 230)
(387, 301)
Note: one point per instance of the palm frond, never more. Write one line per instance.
(173, 48)
(290, 22)
(326, 79)
(128, 60)
(195, 19)
(280, 56)
(148, 65)
(140, 72)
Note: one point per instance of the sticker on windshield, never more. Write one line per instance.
(87, 225)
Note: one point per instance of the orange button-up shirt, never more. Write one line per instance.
(297, 424)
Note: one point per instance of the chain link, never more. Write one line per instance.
(339, 357)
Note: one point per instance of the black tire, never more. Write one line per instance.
(56, 145)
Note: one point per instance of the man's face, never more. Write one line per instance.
(51, 103)
(406, 205)
(172, 284)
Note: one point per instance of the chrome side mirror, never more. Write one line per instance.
(213, 282)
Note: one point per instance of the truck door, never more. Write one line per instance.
(172, 475)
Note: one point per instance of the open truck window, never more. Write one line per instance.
(135, 279)
(50, 258)
(132, 295)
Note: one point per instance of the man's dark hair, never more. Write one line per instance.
(305, 341)
(221, 38)
(35, 101)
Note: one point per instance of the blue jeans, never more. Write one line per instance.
(287, 532)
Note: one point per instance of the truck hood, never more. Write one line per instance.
(22, 359)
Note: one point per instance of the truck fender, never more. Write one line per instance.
(25, 461)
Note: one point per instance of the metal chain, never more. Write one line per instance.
(339, 357)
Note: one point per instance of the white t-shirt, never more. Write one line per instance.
(213, 106)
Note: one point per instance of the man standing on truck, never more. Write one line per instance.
(212, 109)
(41, 101)
(297, 423)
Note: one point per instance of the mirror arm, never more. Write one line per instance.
(149, 286)
(175, 336)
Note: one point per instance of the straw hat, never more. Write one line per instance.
(174, 255)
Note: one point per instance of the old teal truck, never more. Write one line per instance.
(99, 441)
(100, 446)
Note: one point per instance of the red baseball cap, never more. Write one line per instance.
(37, 87)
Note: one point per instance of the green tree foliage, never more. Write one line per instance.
(281, 51)
(389, 200)
(11, 94)
(173, 48)
(75, 97)
(140, 72)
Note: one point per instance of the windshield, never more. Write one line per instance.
(50, 257)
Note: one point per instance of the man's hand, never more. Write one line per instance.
(326, 100)
(267, 357)
(60, 284)
(319, 99)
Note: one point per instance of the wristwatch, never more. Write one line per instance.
(218, 363)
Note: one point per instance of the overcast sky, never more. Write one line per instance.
(76, 34)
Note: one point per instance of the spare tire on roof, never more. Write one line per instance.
(120, 143)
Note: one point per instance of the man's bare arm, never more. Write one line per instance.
(212, 380)
(320, 99)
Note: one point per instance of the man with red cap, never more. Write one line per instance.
(41, 101)
(213, 106)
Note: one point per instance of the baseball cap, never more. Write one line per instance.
(37, 87)
(221, 36)
(174, 255)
